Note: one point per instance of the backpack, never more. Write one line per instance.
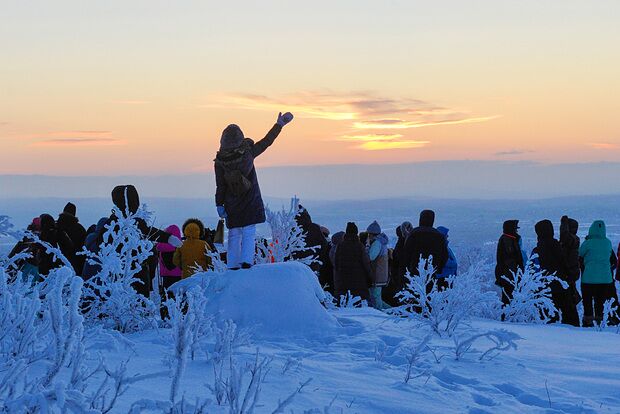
(237, 183)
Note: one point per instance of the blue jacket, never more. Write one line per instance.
(451, 266)
(248, 208)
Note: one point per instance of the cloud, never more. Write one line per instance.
(374, 142)
(75, 141)
(392, 145)
(131, 102)
(371, 137)
(405, 124)
(361, 107)
(512, 152)
(603, 145)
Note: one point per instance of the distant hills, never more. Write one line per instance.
(438, 179)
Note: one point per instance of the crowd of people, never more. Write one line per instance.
(349, 262)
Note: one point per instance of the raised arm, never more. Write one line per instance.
(273, 133)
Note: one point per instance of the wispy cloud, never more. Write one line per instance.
(370, 137)
(374, 142)
(404, 124)
(361, 110)
(603, 145)
(74, 141)
(355, 106)
(512, 152)
(392, 145)
(131, 102)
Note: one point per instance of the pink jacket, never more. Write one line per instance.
(166, 252)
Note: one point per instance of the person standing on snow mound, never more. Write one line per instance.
(237, 196)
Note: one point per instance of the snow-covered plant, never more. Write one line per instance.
(111, 296)
(217, 264)
(531, 297)
(190, 324)
(501, 339)
(413, 355)
(244, 383)
(610, 312)
(444, 310)
(287, 237)
(42, 337)
(6, 227)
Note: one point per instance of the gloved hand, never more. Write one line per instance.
(175, 241)
(221, 211)
(284, 119)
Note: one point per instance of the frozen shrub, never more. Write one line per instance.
(445, 310)
(531, 298)
(287, 238)
(111, 296)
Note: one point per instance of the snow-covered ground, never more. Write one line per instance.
(359, 365)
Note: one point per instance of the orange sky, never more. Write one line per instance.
(145, 87)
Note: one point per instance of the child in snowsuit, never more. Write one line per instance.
(237, 196)
(168, 271)
(192, 255)
(379, 264)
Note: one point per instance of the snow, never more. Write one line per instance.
(272, 300)
(362, 366)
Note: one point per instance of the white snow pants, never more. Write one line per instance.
(241, 246)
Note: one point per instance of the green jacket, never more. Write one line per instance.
(597, 255)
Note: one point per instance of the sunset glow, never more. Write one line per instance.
(149, 86)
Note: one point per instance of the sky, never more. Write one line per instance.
(146, 87)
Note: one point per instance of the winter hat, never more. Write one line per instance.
(374, 228)
(125, 197)
(544, 229)
(337, 238)
(406, 228)
(192, 231)
(36, 223)
(352, 228)
(232, 137)
(70, 209)
(47, 222)
(511, 226)
(427, 218)
(198, 223)
(443, 230)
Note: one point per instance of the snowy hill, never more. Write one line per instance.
(361, 368)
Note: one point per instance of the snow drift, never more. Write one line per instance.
(272, 300)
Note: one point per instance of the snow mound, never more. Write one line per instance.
(272, 300)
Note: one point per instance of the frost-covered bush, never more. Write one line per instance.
(287, 238)
(445, 310)
(6, 227)
(110, 295)
(501, 339)
(531, 298)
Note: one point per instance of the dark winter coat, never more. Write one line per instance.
(549, 250)
(76, 232)
(352, 266)
(313, 238)
(425, 241)
(509, 255)
(570, 247)
(56, 238)
(248, 208)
